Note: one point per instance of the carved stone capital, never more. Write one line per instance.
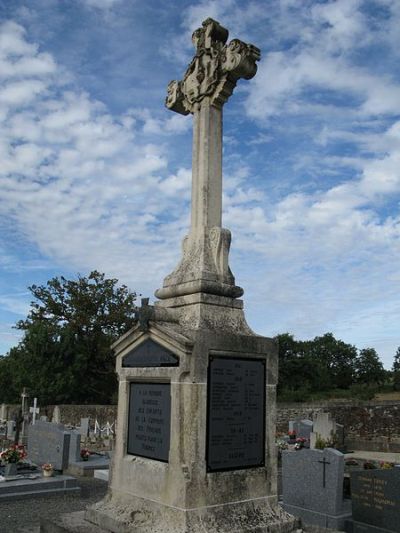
(214, 70)
(204, 267)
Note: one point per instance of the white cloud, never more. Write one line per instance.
(95, 190)
(101, 4)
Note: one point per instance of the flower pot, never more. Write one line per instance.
(11, 469)
(48, 473)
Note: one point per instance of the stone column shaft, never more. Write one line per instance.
(207, 168)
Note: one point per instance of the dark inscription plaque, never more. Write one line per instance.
(236, 413)
(375, 496)
(149, 353)
(149, 420)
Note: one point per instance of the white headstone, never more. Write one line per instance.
(34, 410)
(324, 428)
(56, 419)
(3, 412)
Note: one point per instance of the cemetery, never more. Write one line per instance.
(197, 442)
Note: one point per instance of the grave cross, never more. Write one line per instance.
(34, 410)
(324, 462)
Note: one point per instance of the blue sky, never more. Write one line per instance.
(95, 171)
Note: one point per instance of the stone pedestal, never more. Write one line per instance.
(181, 491)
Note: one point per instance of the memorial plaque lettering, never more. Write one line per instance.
(149, 420)
(236, 413)
(375, 496)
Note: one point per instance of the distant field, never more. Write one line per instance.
(388, 396)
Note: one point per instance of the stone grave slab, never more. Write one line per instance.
(87, 468)
(41, 486)
(49, 443)
(312, 486)
(375, 498)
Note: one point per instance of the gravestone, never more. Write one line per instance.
(302, 428)
(325, 428)
(195, 441)
(375, 496)
(3, 412)
(34, 410)
(84, 427)
(49, 443)
(11, 427)
(44, 418)
(74, 447)
(56, 418)
(22, 437)
(312, 484)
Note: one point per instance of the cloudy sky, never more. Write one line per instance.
(95, 171)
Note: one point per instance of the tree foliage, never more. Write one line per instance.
(65, 354)
(369, 368)
(324, 364)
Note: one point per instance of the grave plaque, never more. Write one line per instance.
(375, 498)
(236, 413)
(149, 420)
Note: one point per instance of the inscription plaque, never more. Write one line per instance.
(375, 496)
(235, 414)
(149, 420)
(149, 353)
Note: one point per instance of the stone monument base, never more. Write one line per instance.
(323, 520)
(142, 516)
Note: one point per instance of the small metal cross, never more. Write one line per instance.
(324, 462)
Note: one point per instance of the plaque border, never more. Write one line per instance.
(230, 468)
(134, 382)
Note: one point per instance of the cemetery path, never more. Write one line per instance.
(23, 516)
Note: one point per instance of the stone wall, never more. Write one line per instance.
(372, 426)
(72, 414)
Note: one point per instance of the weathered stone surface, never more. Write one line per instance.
(199, 320)
(207, 84)
(181, 496)
(49, 443)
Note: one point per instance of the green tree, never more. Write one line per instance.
(369, 368)
(335, 361)
(396, 370)
(65, 354)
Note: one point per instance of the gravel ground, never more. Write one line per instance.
(23, 516)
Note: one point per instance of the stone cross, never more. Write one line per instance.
(324, 463)
(34, 410)
(207, 84)
(22, 421)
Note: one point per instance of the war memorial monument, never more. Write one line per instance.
(195, 448)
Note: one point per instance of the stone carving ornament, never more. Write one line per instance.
(214, 70)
